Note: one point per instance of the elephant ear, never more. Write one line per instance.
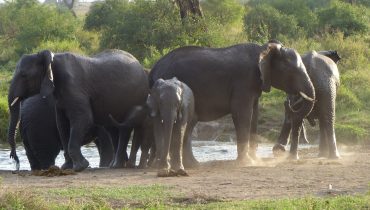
(153, 107)
(47, 85)
(265, 66)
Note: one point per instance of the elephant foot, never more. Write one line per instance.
(244, 160)
(190, 162)
(142, 165)
(166, 173)
(130, 165)
(334, 156)
(322, 154)
(67, 165)
(252, 152)
(278, 150)
(118, 164)
(80, 166)
(293, 156)
(182, 172)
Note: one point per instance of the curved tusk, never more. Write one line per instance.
(291, 108)
(306, 97)
(162, 121)
(14, 101)
(298, 101)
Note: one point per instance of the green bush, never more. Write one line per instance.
(344, 17)
(27, 24)
(264, 22)
(140, 26)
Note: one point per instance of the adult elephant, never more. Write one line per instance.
(86, 89)
(324, 74)
(40, 136)
(230, 80)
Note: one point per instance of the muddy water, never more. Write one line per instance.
(203, 151)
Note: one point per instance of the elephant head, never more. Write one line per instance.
(332, 54)
(283, 69)
(33, 75)
(164, 102)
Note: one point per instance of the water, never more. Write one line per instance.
(203, 151)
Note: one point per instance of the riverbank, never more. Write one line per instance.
(270, 183)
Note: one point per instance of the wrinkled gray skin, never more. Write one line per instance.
(230, 81)
(143, 136)
(324, 74)
(171, 105)
(39, 131)
(40, 136)
(86, 90)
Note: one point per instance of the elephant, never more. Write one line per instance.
(143, 136)
(40, 136)
(230, 81)
(86, 91)
(39, 131)
(171, 105)
(322, 69)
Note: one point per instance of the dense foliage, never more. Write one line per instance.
(148, 29)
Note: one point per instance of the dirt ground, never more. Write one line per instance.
(269, 178)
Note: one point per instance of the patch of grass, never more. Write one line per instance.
(340, 202)
(159, 197)
(22, 200)
(133, 196)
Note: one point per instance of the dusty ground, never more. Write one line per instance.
(270, 178)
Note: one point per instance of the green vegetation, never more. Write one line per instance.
(159, 197)
(150, 29)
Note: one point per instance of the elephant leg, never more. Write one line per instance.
(79, 129)
(176, 149)
(152, 155)
(136, 143)
(63, 128)
(34, 162)
(121, 154)
(146, 145)
(323, 141)
(253, 143)
(242, 117)
(331, 140)
(189, 160)
(283, 138)
(105, 147)
(296, 129)
(303, 135)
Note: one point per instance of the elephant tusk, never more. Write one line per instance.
(162, 121)
(14, 101)
(306, 97)
(298, 101)
(291, 108)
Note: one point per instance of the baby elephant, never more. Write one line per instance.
(171, 105)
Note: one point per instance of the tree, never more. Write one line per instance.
(189, 8)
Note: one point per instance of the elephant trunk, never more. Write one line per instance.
(307, 93)
(168, 121)
(14, 107)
